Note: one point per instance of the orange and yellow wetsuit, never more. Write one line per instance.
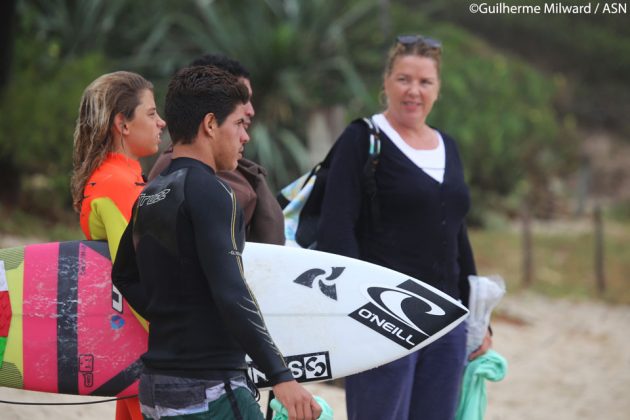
(109, 195)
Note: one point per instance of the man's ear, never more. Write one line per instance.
(120, 124)
(209, 125)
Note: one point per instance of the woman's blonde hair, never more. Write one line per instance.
(102, 100)
(414, 45)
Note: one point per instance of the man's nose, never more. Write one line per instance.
(245, 137)
(249, 109)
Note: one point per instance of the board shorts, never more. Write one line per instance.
(174, 398)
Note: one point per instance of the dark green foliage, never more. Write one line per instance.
(37, 114)
(592, 51)
(514, 122)
(502, 113)
(300, 55)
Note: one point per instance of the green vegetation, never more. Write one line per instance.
(22, 224)
(300, 58)
(38, 110)
(592, 51)
(563, 259)
(305, 59)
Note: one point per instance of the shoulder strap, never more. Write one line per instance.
(375, 137)
(369, 175)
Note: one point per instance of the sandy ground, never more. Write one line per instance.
(567, 360)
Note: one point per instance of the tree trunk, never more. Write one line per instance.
(600, 277)
(324, 126)
(528, 264)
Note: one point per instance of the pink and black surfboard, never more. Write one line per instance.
(68, 332)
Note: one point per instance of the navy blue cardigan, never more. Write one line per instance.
(421, 229)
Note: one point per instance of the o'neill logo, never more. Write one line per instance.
(407, 314)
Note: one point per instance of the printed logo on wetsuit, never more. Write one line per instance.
(153, 198)
(304, 368)
(407, 314)
(326, 284)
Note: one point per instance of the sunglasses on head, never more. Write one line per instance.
(408, 40)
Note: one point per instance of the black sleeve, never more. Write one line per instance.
(214, 216)
(466, 262)
(125, 274)
(341, 207)
(466, 258)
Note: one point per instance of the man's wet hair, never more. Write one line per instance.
(197, 91)
(223, 62)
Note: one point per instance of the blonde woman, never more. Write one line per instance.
(422, 200)
(118, 123)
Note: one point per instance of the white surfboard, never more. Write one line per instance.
(63, 331)
(333, 316)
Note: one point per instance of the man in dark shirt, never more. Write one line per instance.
(179, 265)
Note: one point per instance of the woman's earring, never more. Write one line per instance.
(382, 98)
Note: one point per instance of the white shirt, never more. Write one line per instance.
(432, 161)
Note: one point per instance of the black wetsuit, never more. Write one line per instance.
(179, 265)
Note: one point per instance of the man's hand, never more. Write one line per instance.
(299, 403)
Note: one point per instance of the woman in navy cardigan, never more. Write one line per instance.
(420, 230)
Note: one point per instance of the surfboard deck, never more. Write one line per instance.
(331, 316)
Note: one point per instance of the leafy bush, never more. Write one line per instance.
(38, 110)
(502, 113)
(305, 58)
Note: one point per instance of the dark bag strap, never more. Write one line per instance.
(369, 176)
(232, 399)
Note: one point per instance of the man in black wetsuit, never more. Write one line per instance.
(179, 265)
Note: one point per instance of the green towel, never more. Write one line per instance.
(282, 414)
(473, 399)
